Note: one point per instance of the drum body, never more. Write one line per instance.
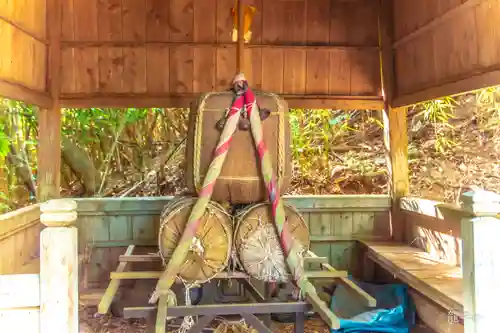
(257, 244)
(240, 180)
(210, 250)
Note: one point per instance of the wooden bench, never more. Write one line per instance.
(436, 288)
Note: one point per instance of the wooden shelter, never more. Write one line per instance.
(349, 54)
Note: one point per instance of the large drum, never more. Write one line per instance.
(258, 246)
(240, 180)
(211, 248)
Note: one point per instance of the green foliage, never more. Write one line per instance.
(124, 144)
(4, 143)
(313, 133)
(487, 110)
(438, 113)
(316, 134)
(4, 206)
(438, 110)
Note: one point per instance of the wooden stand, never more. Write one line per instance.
(262, 306)
(481, 277)
(59, 267)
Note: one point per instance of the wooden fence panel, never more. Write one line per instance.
(107, 226)
(20, 241)
(20, 303)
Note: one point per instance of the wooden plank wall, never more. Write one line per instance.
(434, 227)
(19, 269)
(445, 47)
(107, 226)
(23, 56)
(20, 241)
(140, 50)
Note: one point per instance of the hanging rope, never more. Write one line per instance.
(188, 321)
(180, 252)
(243, 103)
(291, 248)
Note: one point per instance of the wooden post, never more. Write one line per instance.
(49, 120)
(59, 267)
(481, 261)
(395, 123)
(396, 145)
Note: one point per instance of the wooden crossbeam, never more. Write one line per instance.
(144, 275)
(325, 274)
(366, 298)
(140, 258)
(315, 260)
(323, 310)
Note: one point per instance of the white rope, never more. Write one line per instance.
(197, 247)
(187, 321)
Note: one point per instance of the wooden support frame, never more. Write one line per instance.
(163, 309)
(184, 100)
(22, 93)
(359, 293)
(480, 274)
(206, 313)
(272, 45)
(110, 293)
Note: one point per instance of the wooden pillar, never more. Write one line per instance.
(395, 122)
(49, 120)
(49, 154)
(481, 261)
(59, 267)
(396, 145)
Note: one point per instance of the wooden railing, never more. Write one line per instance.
(19, 241)
(434, 227)
(46, 299)
(108, 225)
(465, 236)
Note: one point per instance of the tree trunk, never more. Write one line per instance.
(23, 171)
(81, 165)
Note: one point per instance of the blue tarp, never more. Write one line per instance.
(395, 313)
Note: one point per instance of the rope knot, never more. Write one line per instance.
(197, 247)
